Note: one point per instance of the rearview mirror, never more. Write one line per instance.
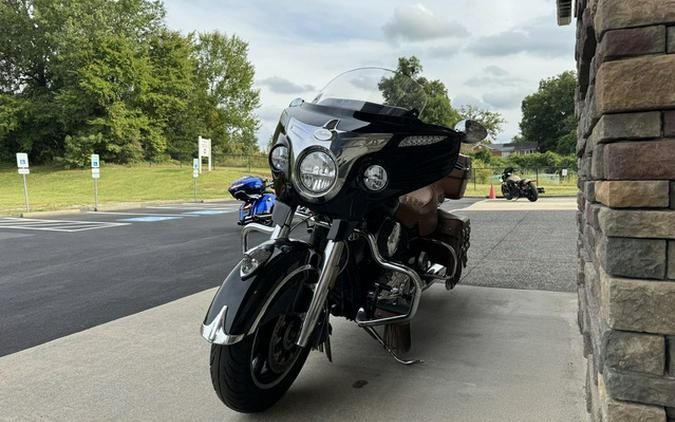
(473, 131)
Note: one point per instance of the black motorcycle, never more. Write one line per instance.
(373, 176)
(515, 187)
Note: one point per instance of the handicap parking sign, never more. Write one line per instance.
(22, 160)
(95, 161)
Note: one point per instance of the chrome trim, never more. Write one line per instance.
(270, 297)
(374, 334)
(302, 189)
(253, 227)
(417, 281)
(215, 331)
(276, 232)
(300, 136)
(454, 257)
(327, 276)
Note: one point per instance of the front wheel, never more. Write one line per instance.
(506, 192)
(533, 193)
(252, 375)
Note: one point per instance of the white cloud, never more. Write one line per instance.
(537, 38)
(306, 44)
(493, 76)
(417, 23)
(503, 99)
(284, 86)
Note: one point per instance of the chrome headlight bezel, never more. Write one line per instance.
(306, 191)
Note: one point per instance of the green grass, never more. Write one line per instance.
(51, 189)
(55, 189)
(482, 190)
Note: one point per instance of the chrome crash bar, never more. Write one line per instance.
(417, 282)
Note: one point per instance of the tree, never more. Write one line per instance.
(491, 120)
(548, 115)
(438, 108)
(225, 81)
(83, 76)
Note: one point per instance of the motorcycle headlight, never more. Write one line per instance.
(375, 178)
(317, 173)
(279, 158)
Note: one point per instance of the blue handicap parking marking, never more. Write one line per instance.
(148, 219)
(206, 212)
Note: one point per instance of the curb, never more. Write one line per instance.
(116, 207)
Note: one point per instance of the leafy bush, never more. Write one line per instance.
(79, 149)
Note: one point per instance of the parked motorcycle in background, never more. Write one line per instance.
(515, 187)
(373, 176)
(257, 202)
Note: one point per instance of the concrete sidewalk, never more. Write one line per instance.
(490, 355)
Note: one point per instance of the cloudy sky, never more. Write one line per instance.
(488, 53)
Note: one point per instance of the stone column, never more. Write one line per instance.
(626, 148)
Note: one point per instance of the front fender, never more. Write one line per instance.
(240, 303)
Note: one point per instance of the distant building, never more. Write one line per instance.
(504, 150)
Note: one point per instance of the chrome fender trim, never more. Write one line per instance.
(215, 333)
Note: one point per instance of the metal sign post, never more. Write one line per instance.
(196, 164)
(204, 150)
(22, 164)
(95, 175)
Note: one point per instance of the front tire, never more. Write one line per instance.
(533, 193)
(254, 374)
(506, 192)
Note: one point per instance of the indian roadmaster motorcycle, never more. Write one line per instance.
(515, 187)
(372, 174)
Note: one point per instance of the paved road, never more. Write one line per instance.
(490, 355)
(92, 284)
(55, 283)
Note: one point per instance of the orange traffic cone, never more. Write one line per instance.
(492, 194)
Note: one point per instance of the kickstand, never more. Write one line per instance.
(374, 334)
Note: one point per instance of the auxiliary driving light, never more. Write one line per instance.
(375, 178)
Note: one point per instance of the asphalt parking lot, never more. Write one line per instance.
(497, 352)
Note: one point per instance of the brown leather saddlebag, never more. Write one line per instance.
(455, 230)
(454, 184)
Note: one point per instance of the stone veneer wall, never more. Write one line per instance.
(626, 148)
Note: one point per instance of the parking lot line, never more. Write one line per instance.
(204, 212)
(140, 213)
(64, 226)
(231, 208)
(149, 219)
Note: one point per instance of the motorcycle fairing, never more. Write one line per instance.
(359, 140)
(240, 301)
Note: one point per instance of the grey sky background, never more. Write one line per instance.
(489, 53)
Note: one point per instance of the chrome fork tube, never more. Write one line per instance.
(329, 272)
(283, 230)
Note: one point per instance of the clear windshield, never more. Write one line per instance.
(374, 90)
